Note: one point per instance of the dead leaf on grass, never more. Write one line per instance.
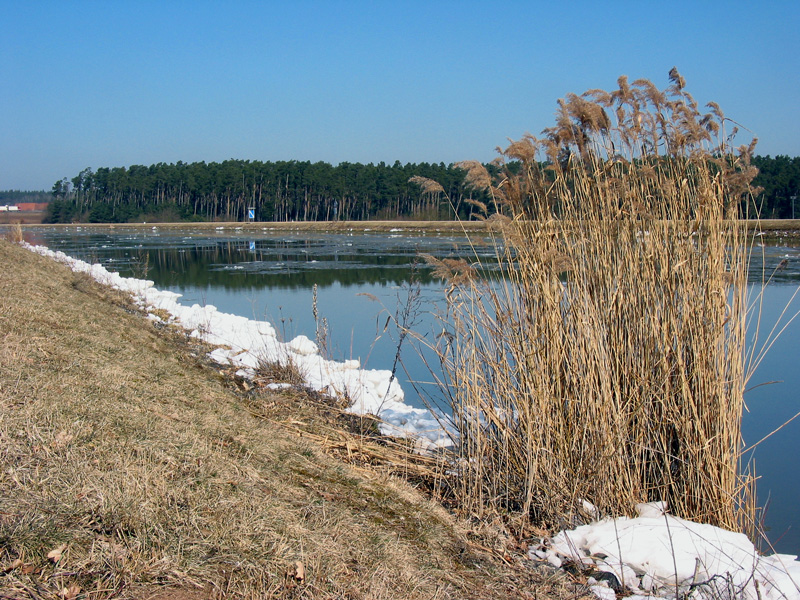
(71, 592)
(55, 553)
(15, 564)
(298, 572)
(28, 568)
(62, 439)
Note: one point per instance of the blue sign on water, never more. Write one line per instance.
(252, 245)
(251, 213)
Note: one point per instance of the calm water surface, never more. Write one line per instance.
(363, 278)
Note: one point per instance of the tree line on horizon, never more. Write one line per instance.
(305, 191)
(275, 191)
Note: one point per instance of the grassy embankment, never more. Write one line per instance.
(130, 468)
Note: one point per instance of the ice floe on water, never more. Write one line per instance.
(652, 555)
(245, 343)
(655, 553)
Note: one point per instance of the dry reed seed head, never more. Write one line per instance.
(371, 297)
(716, 111)
(461, 271)
(498, 222)
(557, 261)
(507, 190)
(621, 115)
(589, 115)
(751, 148)
(524, 150)
(675, 77)
(599, 96)
(314, 303)
(428, 186)
(623, 94)
(477, 177)
(453, 271)
(650, 93)
(484, 210)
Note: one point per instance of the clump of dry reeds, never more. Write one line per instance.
(606, 363)
(14, 234)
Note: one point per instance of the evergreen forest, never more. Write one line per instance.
(275, 191)
(305, 191)
(779, 180)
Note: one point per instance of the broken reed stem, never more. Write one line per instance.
(607, 361)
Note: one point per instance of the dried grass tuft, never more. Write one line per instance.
(14, 234)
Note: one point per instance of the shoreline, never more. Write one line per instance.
(246, 345)
(769, 228)
(166, 473)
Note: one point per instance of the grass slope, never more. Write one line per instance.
(130, 470)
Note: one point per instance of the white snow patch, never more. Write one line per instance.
(279, 386)
(303, 346)
(652, 553)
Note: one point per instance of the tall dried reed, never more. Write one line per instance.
(606, 362)
(14, 234)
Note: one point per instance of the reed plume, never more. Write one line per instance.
(477, 177)
(428, 186)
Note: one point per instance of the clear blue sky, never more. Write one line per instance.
(115, 83)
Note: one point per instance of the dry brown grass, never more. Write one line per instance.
(14, 234)
(142, 473)
(607, 361)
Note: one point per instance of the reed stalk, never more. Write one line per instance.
(606, 361)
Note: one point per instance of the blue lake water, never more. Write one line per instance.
(363, 278)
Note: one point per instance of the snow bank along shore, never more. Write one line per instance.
(642, 557)
(244, 343)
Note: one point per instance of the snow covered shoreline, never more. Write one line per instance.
(244, 343)
(648, 556)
